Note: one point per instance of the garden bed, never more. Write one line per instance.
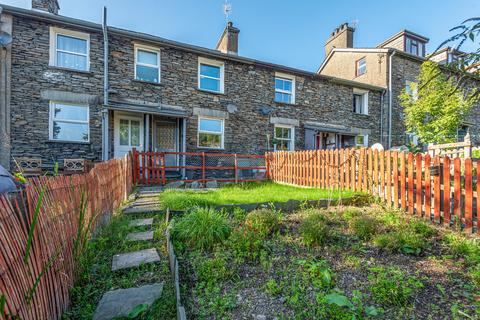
(246, 193)
(333, 263)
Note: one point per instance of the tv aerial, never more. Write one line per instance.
(227, 9)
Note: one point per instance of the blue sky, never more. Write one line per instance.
(291, 33)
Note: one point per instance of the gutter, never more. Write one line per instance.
(390, 98)
(382, 100)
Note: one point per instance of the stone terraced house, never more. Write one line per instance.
(393, 65)
(77, 89)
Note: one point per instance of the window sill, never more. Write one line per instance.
(66, 141)
(211, 149)
(85, 72)
(211, 92)
(147, 82)
(285, 103)
(362, 114)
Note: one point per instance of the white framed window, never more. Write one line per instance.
(361, 140)
(69, 122)
(284, 136)
(69, 49)
(360, 101)
(211, 75)
(210, 133)
(284, 88)
(361, 66)
(147, 64)
(411, 87)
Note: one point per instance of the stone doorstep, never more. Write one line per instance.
(119, 303)
(141, 222)
(140, 236)
(142, 209)
(134, 259)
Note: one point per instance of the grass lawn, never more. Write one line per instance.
(98, 278)
(339, 263)
(245, 193)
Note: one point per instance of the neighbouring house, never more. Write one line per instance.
(393, 65)
(82, 90)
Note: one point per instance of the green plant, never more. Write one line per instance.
(392, 286)
(364, 227)
(201, 229)
(212, 270)
(247, 242)
(273, 287)
(20, 177)
(355, 307)
(315, 229)
(264, 221)
(318, 272)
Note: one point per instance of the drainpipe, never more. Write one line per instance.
(390, 99)
(105, 121)
(382, 100)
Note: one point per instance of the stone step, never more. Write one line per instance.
(140, 236)
(142, 209)
(141, 222)
(119, 303)
(134, 259)
(144, 203)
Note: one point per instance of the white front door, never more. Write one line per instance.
(128, 133)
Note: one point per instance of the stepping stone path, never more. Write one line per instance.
(119, 303)
(140, 236)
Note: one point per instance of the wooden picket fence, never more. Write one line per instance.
(35, 279)
(440, 189)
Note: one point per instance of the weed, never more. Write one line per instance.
(212, 270)
(201, 229)
(354, 308)
(364, 227)
(264, 221)
(392, 286)
(247, 242)
(315, 230)
(318, 273)
(273, 287)
(352, 261)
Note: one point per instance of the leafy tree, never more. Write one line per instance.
(436, 106)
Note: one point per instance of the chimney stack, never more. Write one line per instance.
(228, 42)
(50, 6)
(341, 37)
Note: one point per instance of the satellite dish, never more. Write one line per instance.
(377, 146)
(5, 39)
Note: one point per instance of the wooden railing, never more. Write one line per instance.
(440, 189)
(42, 229)
(152, 168)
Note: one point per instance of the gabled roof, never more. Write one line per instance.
(96, 27)
(402, 33)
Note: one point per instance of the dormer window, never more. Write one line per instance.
(414, 46)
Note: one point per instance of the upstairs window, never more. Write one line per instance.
(210, 133)
(360, 101)
(210, 75)
(69, 122)
(361, 66)
(284, 88)
(411, 87)
(69, 49)
(414, 46)
(283, 136)
(147, 64)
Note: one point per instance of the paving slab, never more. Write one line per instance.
(141, 222)
(119, 303)
(142, 209)
(134, 259)
(145, 203)
(140, 236)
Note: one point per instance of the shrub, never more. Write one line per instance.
(364, 227)
(263, 220)
(392, 286)
(201, 229)
(351, 213)
(315, 230)
(247, 242)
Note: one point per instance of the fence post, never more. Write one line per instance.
(236, 168)
(203, 168)
(267, 166)
(467, 150)
(162, 160)
(134, 165)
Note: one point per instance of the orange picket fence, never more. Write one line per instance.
(440, 189)
(36, 275)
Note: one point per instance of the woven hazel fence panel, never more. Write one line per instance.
(440, 189)
(36, 285)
